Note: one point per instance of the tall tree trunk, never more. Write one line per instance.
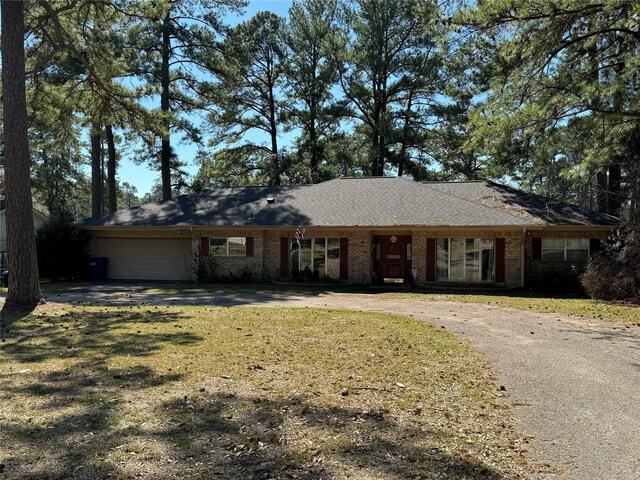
(96, 172)
(313, 143)
(375, 139)
(615, 164)
(165, 151)
(634, 204)
(381, 155)
(615, 186)
(24, 286)
(275, 162)
(602, 190)
(111, 170)
(405, 135)
(313, 117)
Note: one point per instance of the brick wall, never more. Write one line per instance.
(547, 273)
(271, 260)
(360, 257)
(265, 264)
(233, 268)
(513, 261)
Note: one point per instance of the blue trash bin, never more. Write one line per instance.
(98, 268)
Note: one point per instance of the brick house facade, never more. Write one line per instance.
(357, 230)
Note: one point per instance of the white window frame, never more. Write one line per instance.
(313, 245)
(464, 260)
(564, 250)
(227, 245)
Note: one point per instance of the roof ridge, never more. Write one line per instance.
(370, 177)
(440, 182)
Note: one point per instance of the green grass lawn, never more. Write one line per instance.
(247, 393)
(579, 307)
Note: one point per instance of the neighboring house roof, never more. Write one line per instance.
(346, 202)
(3, 206)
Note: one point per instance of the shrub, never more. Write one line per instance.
(205, 269)
(561, 283)
(206, 272)
(614, 273)
(62, 248)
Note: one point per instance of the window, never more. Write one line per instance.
(565, 249)
(228, 247)
(315, 258)
(465, 259)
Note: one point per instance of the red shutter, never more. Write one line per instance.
(594, 246)
(500, 260)
(344, 258)
(284, 257)
(204, 246)
(249, 246)
(536, 247)
(431, 259)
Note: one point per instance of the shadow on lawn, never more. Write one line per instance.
(88, 420)
(96, 332)
(62, 423)
(255, 438)
(222, 436)
(10, 314)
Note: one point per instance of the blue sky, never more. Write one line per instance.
(142, 176)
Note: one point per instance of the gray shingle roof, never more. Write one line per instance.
(538, 209)
(347, 202)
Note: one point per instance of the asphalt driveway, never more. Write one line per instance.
(574, 383)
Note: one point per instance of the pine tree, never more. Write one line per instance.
(249, 74)
(311, 75)
(24, 286)
(545, 64)
(172, 36)
(389, 67)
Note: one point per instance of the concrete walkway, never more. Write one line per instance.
(574, 383)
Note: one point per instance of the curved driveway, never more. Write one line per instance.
(574, 383)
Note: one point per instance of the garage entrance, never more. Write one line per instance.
(145, 258)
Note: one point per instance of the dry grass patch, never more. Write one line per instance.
(578, 307)
(247, 393)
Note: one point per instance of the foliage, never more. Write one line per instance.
(78, 62)
(541, 94)
(62, 248)
(542, 67)
(205, 268)
(614, 273)
(311, 75)
(388, 57)
(171, 37)
(249, 74)
(207, 272)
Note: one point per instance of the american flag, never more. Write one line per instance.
(299, 234)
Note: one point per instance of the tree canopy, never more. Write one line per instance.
(542, 95)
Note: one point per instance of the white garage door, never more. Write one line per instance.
(145, 259)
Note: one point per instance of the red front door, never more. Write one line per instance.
(390, 257)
